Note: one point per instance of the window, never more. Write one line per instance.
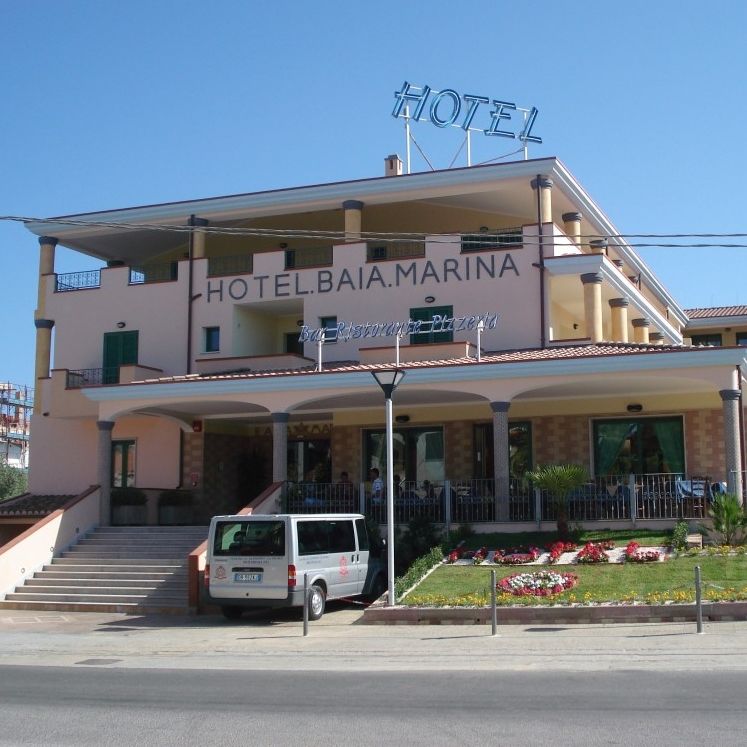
(713, 339)
(323, 536)
(426, 334)
(329, 323)
(741, 338)
(212, 339)
(418, 453)
(639, 446)
(293, 344)
(123, 464)
(250, 538)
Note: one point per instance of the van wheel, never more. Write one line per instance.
(316, 602)
(231, 612)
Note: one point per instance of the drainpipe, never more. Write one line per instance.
(189, 292)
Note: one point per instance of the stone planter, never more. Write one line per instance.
(129, 515)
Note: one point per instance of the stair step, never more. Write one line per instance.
(148, 562)
(74, 571)
(110, 583)
(108, 607)
(73, 597)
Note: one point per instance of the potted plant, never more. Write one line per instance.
(128, 507)
(175, 507)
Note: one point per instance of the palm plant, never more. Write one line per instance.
(559, 481)
(728, 517)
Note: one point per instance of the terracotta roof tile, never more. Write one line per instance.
(711, 312)
(604, 349)
(31, 505)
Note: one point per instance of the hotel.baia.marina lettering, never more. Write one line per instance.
(390, 275)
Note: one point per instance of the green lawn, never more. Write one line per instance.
(723, 578)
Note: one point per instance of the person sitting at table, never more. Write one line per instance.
(377, 486)
(345, 490)
(430, 491)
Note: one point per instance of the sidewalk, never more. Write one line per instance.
(337, 643)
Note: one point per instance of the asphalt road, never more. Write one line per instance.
(99, 705)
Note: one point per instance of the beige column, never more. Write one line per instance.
(353, 219)
(656, 338)
(572, 226)
(501, 469)
(593, 305)
(640, 330)
(105, 471)
(279, 446)
(544, 184)
(43, 326)
(619, 307)
(732, 400)
(198, 238)
(598, 246)
(47, 246)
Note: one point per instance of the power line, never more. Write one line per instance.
(386, 236)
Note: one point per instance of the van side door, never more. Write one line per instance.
(363, 553)
(343, 557)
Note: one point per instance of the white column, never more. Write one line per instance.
(105, 471)
(279, 446)
(501, 468)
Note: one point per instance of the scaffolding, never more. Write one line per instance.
(16, 404)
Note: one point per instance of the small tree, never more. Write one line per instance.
(559, 481)
(12, 481)
(728, 517)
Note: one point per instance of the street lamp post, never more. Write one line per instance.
(388, 379)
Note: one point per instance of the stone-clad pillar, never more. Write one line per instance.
(501, 467)
(572, 225)
(619, 308)
(279, 446)
(731, 399)
(198, 238)
(544, 184)
(593, 305)
(105, 471)
(640, 330)
(353, 219)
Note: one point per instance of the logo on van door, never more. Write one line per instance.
(343, 565)
(220, 573)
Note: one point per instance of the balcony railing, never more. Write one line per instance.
(72, 281)
(381, 251)
(235, 265)
(486, 240)
(156, 273)
(92, 377)
(297, 259)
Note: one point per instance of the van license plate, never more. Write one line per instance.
(247, 578)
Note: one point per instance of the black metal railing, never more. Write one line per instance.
(495, 239)
(384, 250)
(155, 273)
(72, 281)
(297, 259)
(92, 377)
(240, 264)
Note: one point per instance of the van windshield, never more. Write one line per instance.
(252, 538)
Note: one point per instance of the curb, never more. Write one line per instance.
(377, 614)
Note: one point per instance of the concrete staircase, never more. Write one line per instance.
(136, 570)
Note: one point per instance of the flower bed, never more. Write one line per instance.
(592, 552)
(634, 554)
(558, 548)
(537, 584)
(516, 555)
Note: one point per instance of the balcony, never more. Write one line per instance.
(385, 250)
(73, 281)
(241, 264)
(163, 272)
(492, 240)
(298, 259)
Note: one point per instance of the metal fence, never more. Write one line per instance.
(72, 281)
(155, 273)
(473, 501)
(297, 259)
(395, 250)
(240, 264)
(496, 239)
(92, 377)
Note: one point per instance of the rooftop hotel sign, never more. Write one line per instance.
(447, 108)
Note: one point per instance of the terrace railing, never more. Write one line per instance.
(92, 377)
(155, 273)
(240, 264)
(381, 251)
(497, 239)
(73, 281)
(297, 259)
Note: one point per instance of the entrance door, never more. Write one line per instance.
(120, 349)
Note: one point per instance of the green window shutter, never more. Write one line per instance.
(120, 349)
(426, 314)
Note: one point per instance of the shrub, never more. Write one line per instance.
(728, 517)
(419, 537)
(175, 498)
(13, 481)
(128, 497)
(417, 570)
(679, 535)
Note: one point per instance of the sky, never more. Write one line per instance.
(109, 105)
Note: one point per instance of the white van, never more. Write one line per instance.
(260, 561)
